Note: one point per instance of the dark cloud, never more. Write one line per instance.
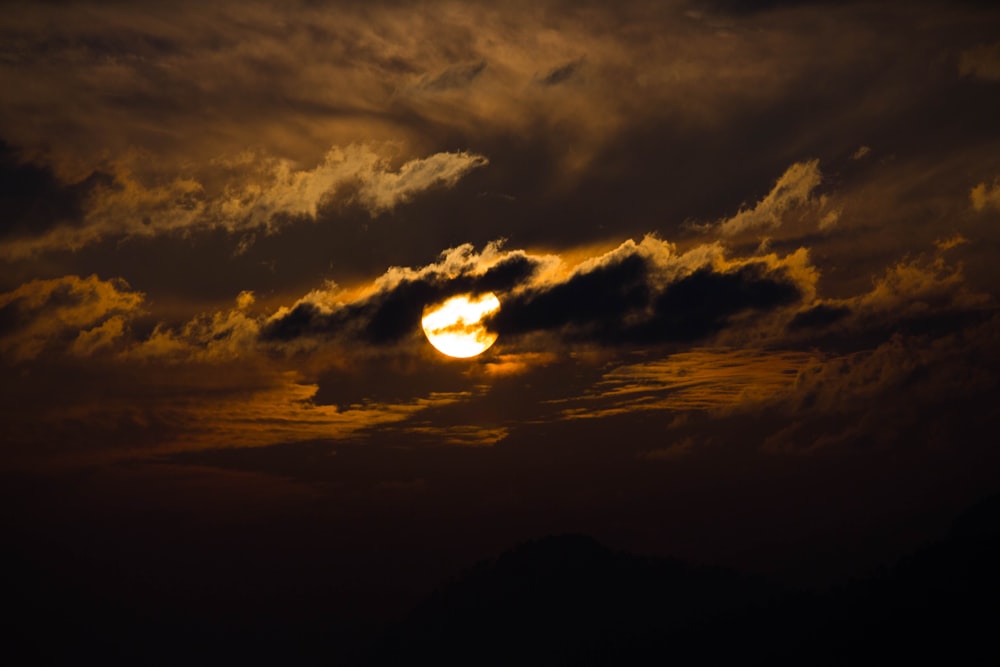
(304, 319)
(702, 303)
(637, 293)
(33, 199)
(621, 302)
(595, 299)
(395, 314)
(392, 313)
(638, 141)
(818, 316)
(561, 74)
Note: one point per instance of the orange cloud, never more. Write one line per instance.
(985, 196)
(704, 379)
(260, 192)
(83, 315)
(793, 189)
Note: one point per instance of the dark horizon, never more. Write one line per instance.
(564, 599)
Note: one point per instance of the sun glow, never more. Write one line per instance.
(456, 327)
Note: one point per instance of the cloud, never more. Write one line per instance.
(635, 294)
(33, 198)
(462, 435)
(291, 83)
(985, 196)
(286, 412)
(907, 384)
(920, 286)
(923, 288)
(646, 293)
(672, 452)
(820, 315)
(950, 242)
(704, 379)
(794, 188)
(102, 337)
(390, 309)
(158, 409)
(81, 315)
(208, 337)
(982, 62)
(385, 189)
(260, 192)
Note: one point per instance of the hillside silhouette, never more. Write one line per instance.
(559, 600)
(568, 600)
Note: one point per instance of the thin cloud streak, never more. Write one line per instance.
(703, 379)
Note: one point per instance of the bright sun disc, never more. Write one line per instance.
(456, 327)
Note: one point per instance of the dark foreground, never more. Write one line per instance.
(559, 600)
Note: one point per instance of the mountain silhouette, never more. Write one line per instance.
(559, 600)
(568, 600)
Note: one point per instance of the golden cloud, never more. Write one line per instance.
(985, 196)
(82, 314)
(793, 189)
(261, 192)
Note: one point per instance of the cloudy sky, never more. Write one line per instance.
(745, 254)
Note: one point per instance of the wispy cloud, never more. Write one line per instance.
(794, 188)
(260, 193)
(702, 379)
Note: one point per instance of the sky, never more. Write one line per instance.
(745, 255)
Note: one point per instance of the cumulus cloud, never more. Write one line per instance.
(390, 309)
(914, 289)
(636, 293)
(645, 293)
(260, 192)
(82, 315)
(920, 285)
(648, 293)
(208, 337)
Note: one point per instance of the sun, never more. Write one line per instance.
(455, 327)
